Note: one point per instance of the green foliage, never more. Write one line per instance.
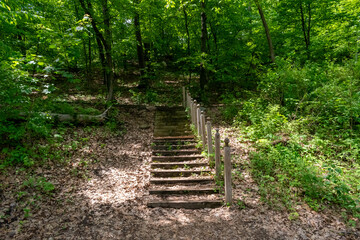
(231, 106)
(291, 168)
(150, 96)
(305, 125)
(39, 184)
(241, 205)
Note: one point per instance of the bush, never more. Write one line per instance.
(305, 126)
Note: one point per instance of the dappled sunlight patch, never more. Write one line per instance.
(115, 186)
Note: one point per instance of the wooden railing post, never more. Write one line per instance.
(203, 129)
(188, 100)
(209, 140)
(184, 96)
(217, 153)
(198, 113)
(227, 169)
(191, 109)
(194, 113)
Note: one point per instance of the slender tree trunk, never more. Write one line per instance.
(213, 32)
(267, 31)
(90, 59)
(139, 47)
(204, 37)
(306, 25)
(308, 29)
(85, 57)
(108, 47)
(187, 31)
(102, 59)
(104, 43)
(188, 37)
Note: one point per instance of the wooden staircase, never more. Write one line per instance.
(180, 175)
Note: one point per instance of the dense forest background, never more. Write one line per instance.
(287, 74)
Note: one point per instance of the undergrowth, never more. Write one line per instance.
(305, 127)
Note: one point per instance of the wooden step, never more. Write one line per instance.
(193, 204)
(172, 122)
(178, 173)
(166, 133)
(174, 142)
(183, 131)
(184, 190)
(164, 119)
(175, 158)
(178, 138)
(176, 152)
(172, 125)
(169, 109)
(181, 180)
(177, 147)
(178, 165)
(171, 114)
(162, 134)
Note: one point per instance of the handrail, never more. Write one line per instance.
(198, 118)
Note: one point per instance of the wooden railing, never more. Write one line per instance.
(203, 129)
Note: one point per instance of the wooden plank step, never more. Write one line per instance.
(184, 190)
(163, 134)
(168, 133)
(166, 108)
(175, 158)
(171, 114)
(171, 122)
(181, 180)
(174, 142)
(177, 147)
(171, 119)
(178, 165)
(178, 173)
(172, 128)
(176, 152)
(193, 204)
(178, 138)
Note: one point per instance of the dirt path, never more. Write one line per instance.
(110, 202)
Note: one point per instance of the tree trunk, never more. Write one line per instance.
(267, 31)
(139, 47)
(204, 37)
(102, 59)
(90, 56)
(187, 30)
(104, 42)
(107, 45)
(306, 25)
(213, 32)
(188, 40)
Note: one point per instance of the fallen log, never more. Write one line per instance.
(84, 118)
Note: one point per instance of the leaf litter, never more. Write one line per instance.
(102, 194)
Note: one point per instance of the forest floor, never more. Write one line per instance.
(102, 191)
